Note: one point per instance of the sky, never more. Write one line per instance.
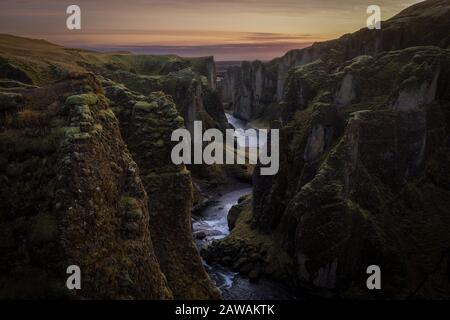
(226, 29)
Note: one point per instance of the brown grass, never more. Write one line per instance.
(30, 118)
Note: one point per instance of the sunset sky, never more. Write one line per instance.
(227, 29)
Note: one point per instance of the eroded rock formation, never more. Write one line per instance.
(72, 195)
(364, 152)
(147, 124)
(422, 24)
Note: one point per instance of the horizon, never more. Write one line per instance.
(228, 30)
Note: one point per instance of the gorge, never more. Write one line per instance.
(87, 176)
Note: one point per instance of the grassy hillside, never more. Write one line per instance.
(40, 62)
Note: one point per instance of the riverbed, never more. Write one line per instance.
(211, 223)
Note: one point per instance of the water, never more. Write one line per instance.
(211, 224)
(212, 220)
(250, 139)
(235, 122)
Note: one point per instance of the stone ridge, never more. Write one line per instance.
(73, 196)
(251, 89)
(363, 177)
(147, 123)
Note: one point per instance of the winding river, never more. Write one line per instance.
(212, 223)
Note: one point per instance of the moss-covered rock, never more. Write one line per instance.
(61, 205)
(355, 157)
(254, 86)
(250, 251)
(82, 99)
(147, 123)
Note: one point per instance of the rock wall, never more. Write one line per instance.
(147, 123)
(194, 99)
(247, 88)
(71, 195)
(422, 24)
(358, 183)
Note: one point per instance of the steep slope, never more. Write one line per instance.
(146, 120)
(40, 62)
(147, 123)
(253, 87)
(194, 98)
(364, 162)
(71, 195)
(190, 81)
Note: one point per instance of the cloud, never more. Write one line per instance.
(221, 52)
(270, 7)
(202, 24)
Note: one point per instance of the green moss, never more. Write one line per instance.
(70, 131)
(82, 99)
(145, 106)
(358, 63)
(81, 136)
(314, 73)
(129, 202)
(107, 115)
(14, 141)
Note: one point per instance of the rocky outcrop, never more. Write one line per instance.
(357, 183)
(248, 250)
(247, 88)
(194, 99)
(10, 71)
(147, 123)
(72, 195)
(147, 118)
(422, 24)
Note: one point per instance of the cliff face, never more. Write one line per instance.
(147, 123)
(194, 98)
(248, 88)
(359, 183)
(364, 152)
(158, 258)
(71, 195)
(425, 23)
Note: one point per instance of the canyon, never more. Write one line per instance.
(364, 170)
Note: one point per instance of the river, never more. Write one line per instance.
(211, 221)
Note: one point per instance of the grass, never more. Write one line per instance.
(46, 63)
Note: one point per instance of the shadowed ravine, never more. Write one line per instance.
(211, 224)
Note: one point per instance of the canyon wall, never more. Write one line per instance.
(87, 159)
(147, 123)
(254, 86)
(363, 179)
(72, 195)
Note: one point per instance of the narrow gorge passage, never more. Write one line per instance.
(211, 224)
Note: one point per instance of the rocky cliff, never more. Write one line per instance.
(71, 195)
(116, 207)
(253, 87)
(363, 180)
(147, 123)
(359, 154)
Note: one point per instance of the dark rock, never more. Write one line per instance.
(200, 235)
(246, 268)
